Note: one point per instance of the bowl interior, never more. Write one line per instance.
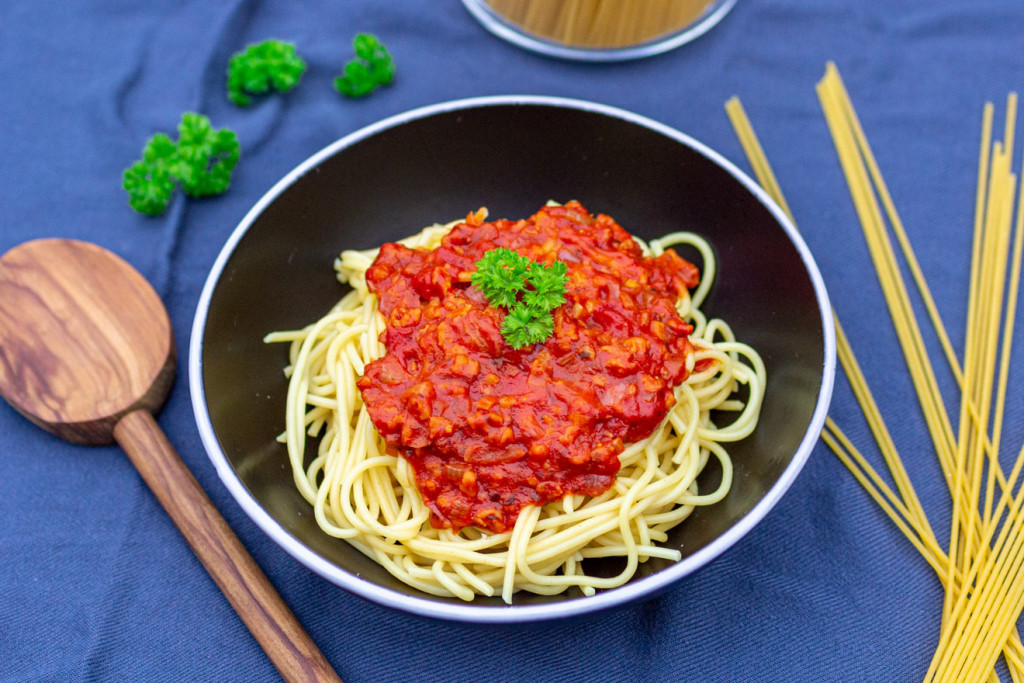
(510, 156)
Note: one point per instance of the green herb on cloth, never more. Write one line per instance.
(372, 67)
(272, 64)
(202, 161)
(148, 181)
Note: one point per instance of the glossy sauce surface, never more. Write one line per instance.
(489, 429)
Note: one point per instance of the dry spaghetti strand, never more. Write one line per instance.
(975, 625)
(983, 572)
(601, 23)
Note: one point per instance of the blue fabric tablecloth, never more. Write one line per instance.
(96, 583)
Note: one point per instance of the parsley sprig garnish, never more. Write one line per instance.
(528, 290)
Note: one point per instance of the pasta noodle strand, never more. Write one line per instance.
(365, 496)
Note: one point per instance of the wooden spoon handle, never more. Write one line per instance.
(244, 584)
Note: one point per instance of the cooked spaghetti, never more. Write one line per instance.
(505, 469)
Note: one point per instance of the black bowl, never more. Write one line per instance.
(510, 154)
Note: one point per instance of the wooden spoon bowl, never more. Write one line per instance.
(83, 339)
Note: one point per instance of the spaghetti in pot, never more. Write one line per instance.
(376, 481)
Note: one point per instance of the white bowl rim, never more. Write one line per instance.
(469, 612)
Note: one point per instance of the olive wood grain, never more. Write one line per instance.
(87, 353)
(84, 339)
(232, 568)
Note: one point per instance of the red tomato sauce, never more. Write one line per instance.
(489, 429)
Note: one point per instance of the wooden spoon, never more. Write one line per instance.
(87, 353)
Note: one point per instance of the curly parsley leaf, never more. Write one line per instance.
(206, 156)
(272, 64)
(548, 286)
(500, 275)
(201, 161)
(528, 290)
(148, 181)
(372, 67)
(524, 326)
